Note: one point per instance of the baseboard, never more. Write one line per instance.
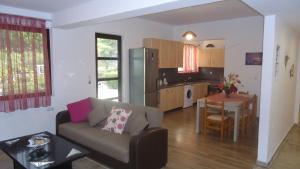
(266, 165)
(262, 164)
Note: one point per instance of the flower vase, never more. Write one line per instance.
(227, 93)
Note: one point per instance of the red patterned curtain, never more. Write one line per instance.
(24, 63)
(190, 59)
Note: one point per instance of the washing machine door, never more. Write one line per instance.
(189, 94)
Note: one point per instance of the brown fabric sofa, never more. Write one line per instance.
(145, 150)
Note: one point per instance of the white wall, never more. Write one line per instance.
(277, 115)
(297, 97)
(73, 60)
(241, 35)
(266, 86)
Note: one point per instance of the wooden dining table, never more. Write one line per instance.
(233, 103)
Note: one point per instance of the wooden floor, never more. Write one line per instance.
(288, 155)
(187, 150)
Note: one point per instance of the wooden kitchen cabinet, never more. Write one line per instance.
(171, 98)
(204, 58)
(163, 99)
(170, 54)
(163, 54)
(217, 58)
(199, 91)
(211, 57)
(179, 54)
(179, 96)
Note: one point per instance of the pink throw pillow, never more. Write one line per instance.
(116, 120)
(79, 110)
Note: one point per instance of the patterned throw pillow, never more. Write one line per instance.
(116, 120)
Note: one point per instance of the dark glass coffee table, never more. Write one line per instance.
(58, 154)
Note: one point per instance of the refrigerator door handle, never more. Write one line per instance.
(157, 91)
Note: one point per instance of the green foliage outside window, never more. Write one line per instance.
(108, 68)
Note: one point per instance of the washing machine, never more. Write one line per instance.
(188, 96)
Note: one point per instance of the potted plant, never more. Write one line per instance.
(230, 83)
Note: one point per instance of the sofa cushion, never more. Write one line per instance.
(98, 113)
(137, 121)
(117, 120)
(113, 145)
(79, 110)
(153, 115)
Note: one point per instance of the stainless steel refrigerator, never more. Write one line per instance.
(143, 76)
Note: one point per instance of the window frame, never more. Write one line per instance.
(118, 59)
(41, 93)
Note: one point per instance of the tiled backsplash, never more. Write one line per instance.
(214, 74)
(205, 73)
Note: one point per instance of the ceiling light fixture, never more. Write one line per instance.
(189, 35)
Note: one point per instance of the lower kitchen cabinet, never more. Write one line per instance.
(171, 98)
(199, 91)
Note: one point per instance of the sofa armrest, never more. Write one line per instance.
(62, 117)
(149, 149)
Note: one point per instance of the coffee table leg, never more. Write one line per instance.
(17, 165)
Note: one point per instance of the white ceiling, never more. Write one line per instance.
(43, 5)
(227, 9)
(288, 10)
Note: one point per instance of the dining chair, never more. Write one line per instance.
(215, 119)
(245, 117)
(252, 110)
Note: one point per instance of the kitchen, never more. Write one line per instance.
(175, 73)
(176, 88)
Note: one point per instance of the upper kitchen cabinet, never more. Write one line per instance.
(211, 57)
(179, 54)
(217, 57)
(170, 53)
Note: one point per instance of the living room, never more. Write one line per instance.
(72, 48)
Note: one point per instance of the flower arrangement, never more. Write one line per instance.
(230, 84)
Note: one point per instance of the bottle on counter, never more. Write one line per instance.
(165, 81)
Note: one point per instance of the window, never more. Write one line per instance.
(108, 66)
(190, 59)
(24, 63)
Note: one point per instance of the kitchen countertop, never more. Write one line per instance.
(188, 83)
